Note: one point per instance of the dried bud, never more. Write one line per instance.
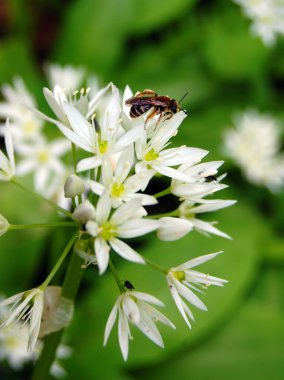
(74, 185)
(84, 212)
(4, 225)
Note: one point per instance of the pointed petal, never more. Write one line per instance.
(126, 211)
(137, 227)
(88, 163)
(197, 261)
(125, 251)
(110, 323)
(102, 254)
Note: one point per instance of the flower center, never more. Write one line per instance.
(151, 155)
(179, 275)
(30, 127)
(43, 156)
(107, 231)
(103, 146)
(117, 190)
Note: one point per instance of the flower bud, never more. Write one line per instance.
(84, 212)
(74, 185)
(4, 225)
(173, 228)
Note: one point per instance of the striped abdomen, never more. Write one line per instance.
(136, 111)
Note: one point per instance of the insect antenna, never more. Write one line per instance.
(184, 96)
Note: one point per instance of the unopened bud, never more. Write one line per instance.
(84, 212)
(4, 225)
(74, 185)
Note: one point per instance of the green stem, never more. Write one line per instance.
(156, 266)
(51, 342)
(116, 277)
(43, 225)
(162, 193)
(157, 216)
(42, 198)
(74, 158)
(60, 261)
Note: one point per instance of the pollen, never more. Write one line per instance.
(103, 145)
(151, 155)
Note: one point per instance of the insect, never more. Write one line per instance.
(128, 285)
(163, 106)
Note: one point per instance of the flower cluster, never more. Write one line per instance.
(119, 156)
(267, 18)
(255, 145)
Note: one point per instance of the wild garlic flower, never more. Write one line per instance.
(126, 222)
(7, 163)
(67, 77)
(119, 184)
(17, 104)
(267, 18)
(43, 160)
(135, 307)
(254, 145)
(182, 280)
(27, 306)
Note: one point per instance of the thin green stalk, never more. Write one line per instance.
(42, 198)
(51, 342)
(156, 266)
(74, 158)
(60, 261)
(43, 225)
(162, 193)
(116, 277)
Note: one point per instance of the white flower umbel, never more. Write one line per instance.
(18, 101)
(134, 307)
(267, 18)
(153, 154)
(27, 306)
(67, 77)
(7, 163)
(126, 222)
(43, 160)
(116, 180)
(182, 280)
(110, 140)
(254, 144)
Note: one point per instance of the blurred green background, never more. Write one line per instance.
(205, 48)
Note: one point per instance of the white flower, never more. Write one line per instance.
(4, 225)
(67, 77)
(267, 17)
(62, 352)
(125, 222)
(189, 209)
(135, 307)
(25, 126)
(153, 154)
(120, 186)
(7, 164)
(255, 147)
(27, 306)
(43, 159)
(182, 279)
(13, 345)
(110, 140)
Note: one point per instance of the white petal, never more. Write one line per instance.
(124, 164)
(130, 309)
(170, 172)
(147, 297)
(127, 139)
(148, 328)
(214, 205)
(189, 296)
(178, 301)
(103, 208)
(126, 211)
(110, 323)
(125, 251)
(88, 163)
(207, 227)
(9, 145)
(79, 124)
(173, 228)
(137, 227)
(96, 187)
(123, 334)
(197, 261)
(102, 254)
(53, 104)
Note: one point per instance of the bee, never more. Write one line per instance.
(163, 106)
